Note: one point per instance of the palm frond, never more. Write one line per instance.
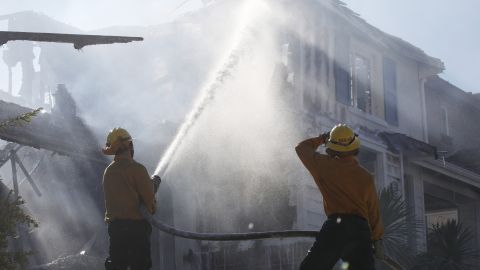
(449, 248)
(23, 118)
(397, 226)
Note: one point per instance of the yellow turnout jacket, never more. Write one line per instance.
(126, 184)
(347, 188)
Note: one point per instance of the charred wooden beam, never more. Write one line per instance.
(66, 135)
(78, 41)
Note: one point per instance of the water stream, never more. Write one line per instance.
(246, 23)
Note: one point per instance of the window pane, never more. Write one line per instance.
(361, 84)
(342, 69)
(368, 159)
(390, 90)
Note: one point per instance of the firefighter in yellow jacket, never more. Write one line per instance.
(126, 185)
(353, 231)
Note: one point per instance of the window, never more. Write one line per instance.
(360, 85)
(341, 69)
(313, 58)
(368, 159)
(394, 172)
(390, 91)
(353, 79)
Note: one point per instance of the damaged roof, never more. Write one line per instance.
(386, 40)
(35, 24)
(78, 41)
(50, 131)
(401, 143)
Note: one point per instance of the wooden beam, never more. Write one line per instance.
(25, 172)
(78, 40)
(51, 131)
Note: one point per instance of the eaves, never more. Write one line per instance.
(450, 170)
(377, 36)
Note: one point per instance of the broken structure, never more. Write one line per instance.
(335, 68)
(59, 132)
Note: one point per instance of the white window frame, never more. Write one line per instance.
(395, 177)
(353, 85)
(445, 125)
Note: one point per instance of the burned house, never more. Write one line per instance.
(55, 152)
(53, 163)
(335, 67)
(416, 129)
(287, 79)
(451, 183)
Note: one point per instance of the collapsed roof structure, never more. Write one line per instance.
(60, 131)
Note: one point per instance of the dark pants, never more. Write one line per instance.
(345, 237)
(129, 245)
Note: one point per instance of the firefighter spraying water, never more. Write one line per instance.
(355, 217)
(352, 232)
(350, 202)
(126, 185)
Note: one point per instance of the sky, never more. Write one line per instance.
(449, 30)
(94, 14)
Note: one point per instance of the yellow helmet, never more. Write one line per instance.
(115, 139)
(343, 139)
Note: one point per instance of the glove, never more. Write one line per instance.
(156, 182)
(325, 136)
(378, 249)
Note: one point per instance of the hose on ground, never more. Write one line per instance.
(240, 236)
(224, 236)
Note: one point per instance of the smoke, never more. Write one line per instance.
(236, 158)
(106, 13)
(67, 210)
(215, 90)
(149, 88)
(248, 17)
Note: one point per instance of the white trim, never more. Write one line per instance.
(398, 178)
(424, 109)
(375, 145)
(384, 170)
(446, 125)
(368, 117)
(380, 150)
(368, 60)
(402, 176)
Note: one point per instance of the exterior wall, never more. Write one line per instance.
(447, 193)
(412, 119)
(462, 111)
(452, 127)
(410, 104)
(311, 62)
(326, 111)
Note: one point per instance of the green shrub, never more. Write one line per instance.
(448, 248)
(11, 216)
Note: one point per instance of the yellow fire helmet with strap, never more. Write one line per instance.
(343, 139)
(116, 138)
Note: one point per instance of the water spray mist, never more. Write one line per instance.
(251, 11)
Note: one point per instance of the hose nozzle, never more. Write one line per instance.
(156, 182)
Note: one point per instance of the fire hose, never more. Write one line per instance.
(241, 236)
